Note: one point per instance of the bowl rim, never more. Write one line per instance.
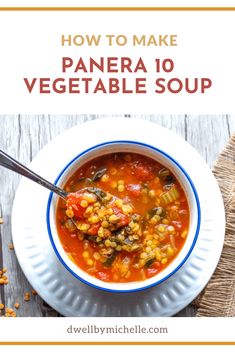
(198, 208)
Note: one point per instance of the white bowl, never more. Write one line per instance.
(168, 162)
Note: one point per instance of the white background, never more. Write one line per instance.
(30, 47)
(117, 3)
(179, 329)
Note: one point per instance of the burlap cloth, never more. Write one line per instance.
(218, 298)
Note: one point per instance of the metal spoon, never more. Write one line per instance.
(10, 163)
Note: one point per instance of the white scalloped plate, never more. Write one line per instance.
(67, 294)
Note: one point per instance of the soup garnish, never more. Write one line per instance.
(125, 219)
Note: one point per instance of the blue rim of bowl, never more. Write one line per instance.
(194, 239)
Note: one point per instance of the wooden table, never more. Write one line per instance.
(23, 136)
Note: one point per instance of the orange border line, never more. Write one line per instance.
(24, 343)
(117, 8)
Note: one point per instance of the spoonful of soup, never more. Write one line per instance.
(97, 215)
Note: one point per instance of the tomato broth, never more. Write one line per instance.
(125, 219)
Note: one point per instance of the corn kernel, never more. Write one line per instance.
(152, 194)
(158, 255)
(184, 234)
(96, 256)
(107, 242)
(104, 178)
(93, 219)
(84, 203)
(88, 211)
(161, 229)
(135, 228)
(105, 224)
(141, 263)
(148, 249)
(121, 182)
(97, 204)
(85, 254)
(83, 227)
(155, 219)
(69, 213)
(118, 203)
(127, 209)
(121, 188)
(164, 261)
(101, 232)
(170, 251)
(90, 262)
(114, 219)
(90, 198)
(109, 211)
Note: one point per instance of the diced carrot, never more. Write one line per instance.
(73, 200)
(124, 219)
(93, 230)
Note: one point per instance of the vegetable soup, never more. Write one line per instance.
(125, 219)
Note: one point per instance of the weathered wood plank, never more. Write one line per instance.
(23, 136)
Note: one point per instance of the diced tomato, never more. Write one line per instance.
(73, 200)
(150, 272)
(124, 219)
(134, 189)
(93, 230)
(153, 270)
(143, 171)
(103, 275)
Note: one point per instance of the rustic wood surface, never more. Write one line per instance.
(23, 136)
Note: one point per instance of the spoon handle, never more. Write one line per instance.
(10, 163)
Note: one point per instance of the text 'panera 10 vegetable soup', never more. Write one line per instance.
(125, 219)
